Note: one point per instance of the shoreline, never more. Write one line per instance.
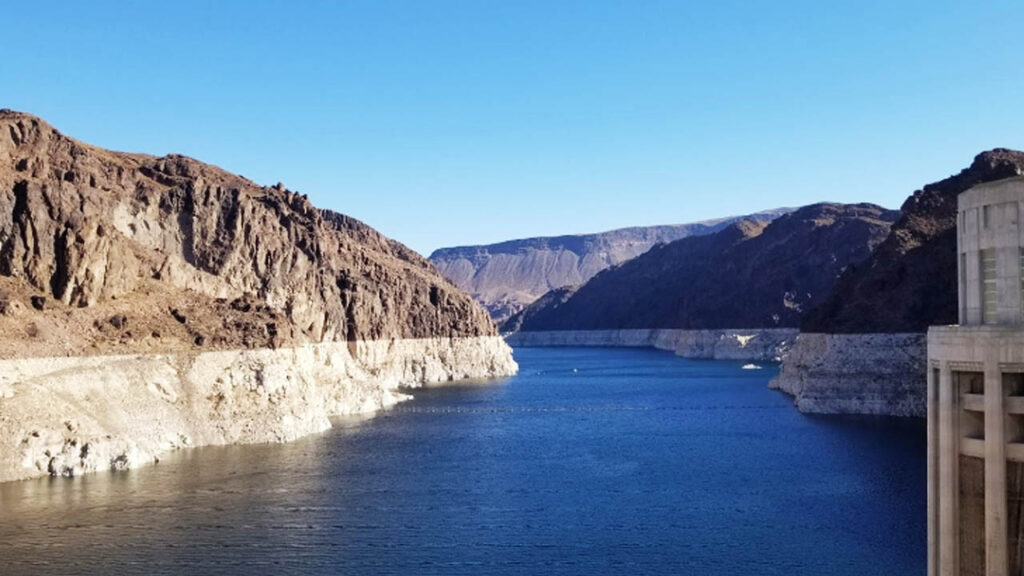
(880, 374)
(66, 416)
(755, 345)
(829, 374)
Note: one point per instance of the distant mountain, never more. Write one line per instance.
(909, 282)
(540, 310)
(507, 276)
(751, 274)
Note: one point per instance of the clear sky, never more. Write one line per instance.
(444, 123)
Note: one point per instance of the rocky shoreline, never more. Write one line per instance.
(67, 416)
(149, 304)
(874, 374)
(755, 345)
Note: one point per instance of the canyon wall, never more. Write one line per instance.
(862, 349)
(153, 303)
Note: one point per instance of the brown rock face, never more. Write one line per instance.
(909, 282)
(190, 255)
(752, 274)
(541, 310)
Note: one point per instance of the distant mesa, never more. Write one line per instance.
(507, 276)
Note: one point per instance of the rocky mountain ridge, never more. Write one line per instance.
(863, 350)
(507, 276)
(752, 274)
(910, 281)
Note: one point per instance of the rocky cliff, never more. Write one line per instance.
(909, 282)
(168, 258)
(85, 228)
(752, 274)
(507, 276)
(863, 349)
(878, 374)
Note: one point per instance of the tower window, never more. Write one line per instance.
(988, 286)
(1021, 251)
(963, 284)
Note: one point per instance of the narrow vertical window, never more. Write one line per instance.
(986, 217)
(988, 286)
(1021, 252)
(963, 285)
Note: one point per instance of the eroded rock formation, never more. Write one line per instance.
(185, 254)
(149, 304)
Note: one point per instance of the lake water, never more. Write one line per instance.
(591, 461)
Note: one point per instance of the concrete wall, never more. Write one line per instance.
(976, 414)
(989, 219)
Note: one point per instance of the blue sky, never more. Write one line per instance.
(445, 123)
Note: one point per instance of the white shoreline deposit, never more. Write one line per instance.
(754, 345)
(877, 374)
(71, 415)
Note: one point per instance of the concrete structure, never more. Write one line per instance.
(976, 396)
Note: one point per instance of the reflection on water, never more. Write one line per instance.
(588, 462)
(197, 504)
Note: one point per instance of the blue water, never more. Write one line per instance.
(591, 461)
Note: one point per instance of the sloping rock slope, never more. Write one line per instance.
(752, 274)
(507, 276)
(170, 265)
(909, 282)
(863, 349)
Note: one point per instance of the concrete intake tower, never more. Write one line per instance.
(976, 395)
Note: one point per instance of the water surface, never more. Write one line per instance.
(591, 461)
